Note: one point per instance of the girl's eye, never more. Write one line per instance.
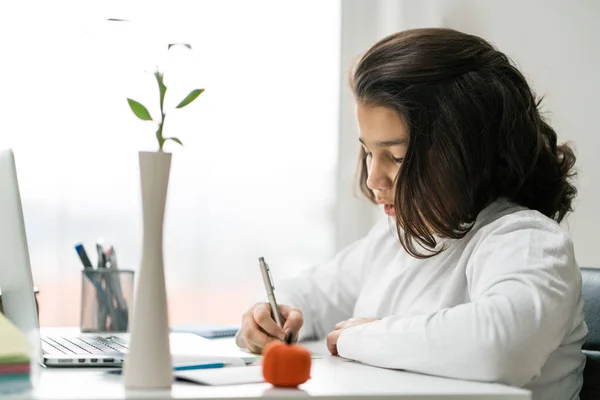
(397, 160)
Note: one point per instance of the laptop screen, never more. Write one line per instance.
(16, 282)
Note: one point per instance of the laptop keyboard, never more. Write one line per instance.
(96, 345)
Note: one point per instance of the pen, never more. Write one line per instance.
(101, 254)
(104, 307)
(198, 366)
(189, 367)
(115, 284)
(269, 287)
(85, 260)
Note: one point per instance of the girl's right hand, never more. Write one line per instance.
(259, 328)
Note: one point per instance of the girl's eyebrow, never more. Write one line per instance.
(387, 143)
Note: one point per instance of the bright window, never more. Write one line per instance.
(256, 175)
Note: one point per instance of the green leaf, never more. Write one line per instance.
(174, 139)
(190, 97)
(139, 110)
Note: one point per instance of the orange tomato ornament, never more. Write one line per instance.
(286, 364)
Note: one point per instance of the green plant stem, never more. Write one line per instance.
(162, 99)
(159, 132)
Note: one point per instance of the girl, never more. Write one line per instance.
(469, 274)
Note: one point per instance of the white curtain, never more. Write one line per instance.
(256, 175)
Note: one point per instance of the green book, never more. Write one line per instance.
(14, 360)
(14, 346)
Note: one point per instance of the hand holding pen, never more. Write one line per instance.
(260, 326)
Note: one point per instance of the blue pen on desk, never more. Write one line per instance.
(191, 367)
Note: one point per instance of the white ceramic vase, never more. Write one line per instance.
(148, 362)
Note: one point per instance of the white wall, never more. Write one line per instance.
(353, 214)
(556, 44)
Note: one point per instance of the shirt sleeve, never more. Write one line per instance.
(524, 285)
(326, 293)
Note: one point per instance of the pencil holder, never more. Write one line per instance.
(106, 299)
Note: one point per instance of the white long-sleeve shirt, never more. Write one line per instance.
(503, 304)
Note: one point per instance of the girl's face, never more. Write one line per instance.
(384, 137)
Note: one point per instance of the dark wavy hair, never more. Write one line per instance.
(476, 134)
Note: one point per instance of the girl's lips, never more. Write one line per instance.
(389, 210)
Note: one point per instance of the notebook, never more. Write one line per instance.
(223, 376)
(209, 331)
(14, 346)
(14, 358)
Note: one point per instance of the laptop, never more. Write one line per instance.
(77, 349)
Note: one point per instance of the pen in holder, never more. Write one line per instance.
(106, 299)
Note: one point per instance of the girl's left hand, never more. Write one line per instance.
(333, 336)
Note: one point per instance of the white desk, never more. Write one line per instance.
(332, 377)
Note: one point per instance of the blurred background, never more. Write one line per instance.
(270, 148)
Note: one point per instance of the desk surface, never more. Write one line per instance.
(332, 377)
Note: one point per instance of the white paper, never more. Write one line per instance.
(191, 359)
(187, 348)
(223, 376)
